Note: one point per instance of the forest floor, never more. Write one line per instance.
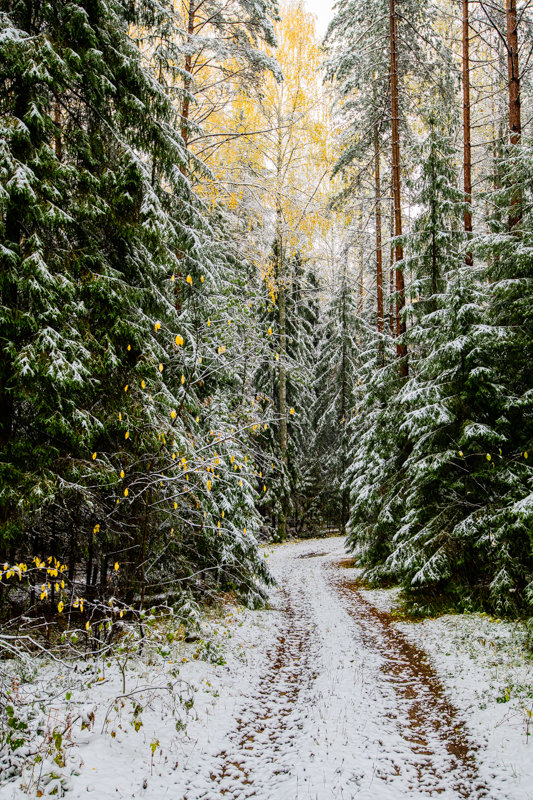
(325, 695)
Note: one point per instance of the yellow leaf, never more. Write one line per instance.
(208, 323)
(277, 356)
(175, 506)
(488, 457)
(202, 278)
(173, 278)
(94, 456)
(127, 435)
(525, 454)
(120, 416)
(122, 473)
(292, 411)
(183, 379)
(173, 414)
(179, 340)
(161, 368)
(264, 488)
(461, 453)
(96, 528)
(87, 626)
(189, 280)
(129, 347)
(117, 566)
(60, 606)
(157, 326)
(209, 484)
(126, 492)
(143, 384)
(126, 388)
(270, 331)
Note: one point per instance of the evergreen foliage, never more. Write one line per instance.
(335, 389)
(160, 403)
(295, 479)
(116, 286)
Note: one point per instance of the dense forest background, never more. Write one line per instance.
(256, 286)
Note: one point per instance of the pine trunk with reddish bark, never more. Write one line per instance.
(401, 348)
(187, 81)
(515, 122)
(379, 247)
(467, 146)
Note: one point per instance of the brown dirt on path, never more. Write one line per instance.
(268, 726)
(430, 715)
(289, 674)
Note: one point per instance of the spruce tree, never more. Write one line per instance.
(335, 389)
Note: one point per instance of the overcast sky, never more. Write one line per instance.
(322, 10)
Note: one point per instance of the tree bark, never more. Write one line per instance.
(379, 248)
(282, 382)
(187, 81)
(361, 301)
(515, 122)
(401, 348)
(392, 315)
(467, 144)
(345, 498)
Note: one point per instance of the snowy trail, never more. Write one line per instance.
(321, 697)
(345, 706)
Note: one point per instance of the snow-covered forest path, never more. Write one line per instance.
(344, 707)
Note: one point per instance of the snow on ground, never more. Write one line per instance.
(320, 697)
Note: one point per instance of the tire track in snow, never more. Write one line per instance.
(429, 722)
(345, 708)
(265, 738)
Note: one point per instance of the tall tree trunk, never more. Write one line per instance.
(434, 249)
(361, 301)
(401, 348)
(282, 383)
(379, 248)
(467, 145)
(345, 498)
(187, 80)
(57, 139)
(515, 122)
(392, 315)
